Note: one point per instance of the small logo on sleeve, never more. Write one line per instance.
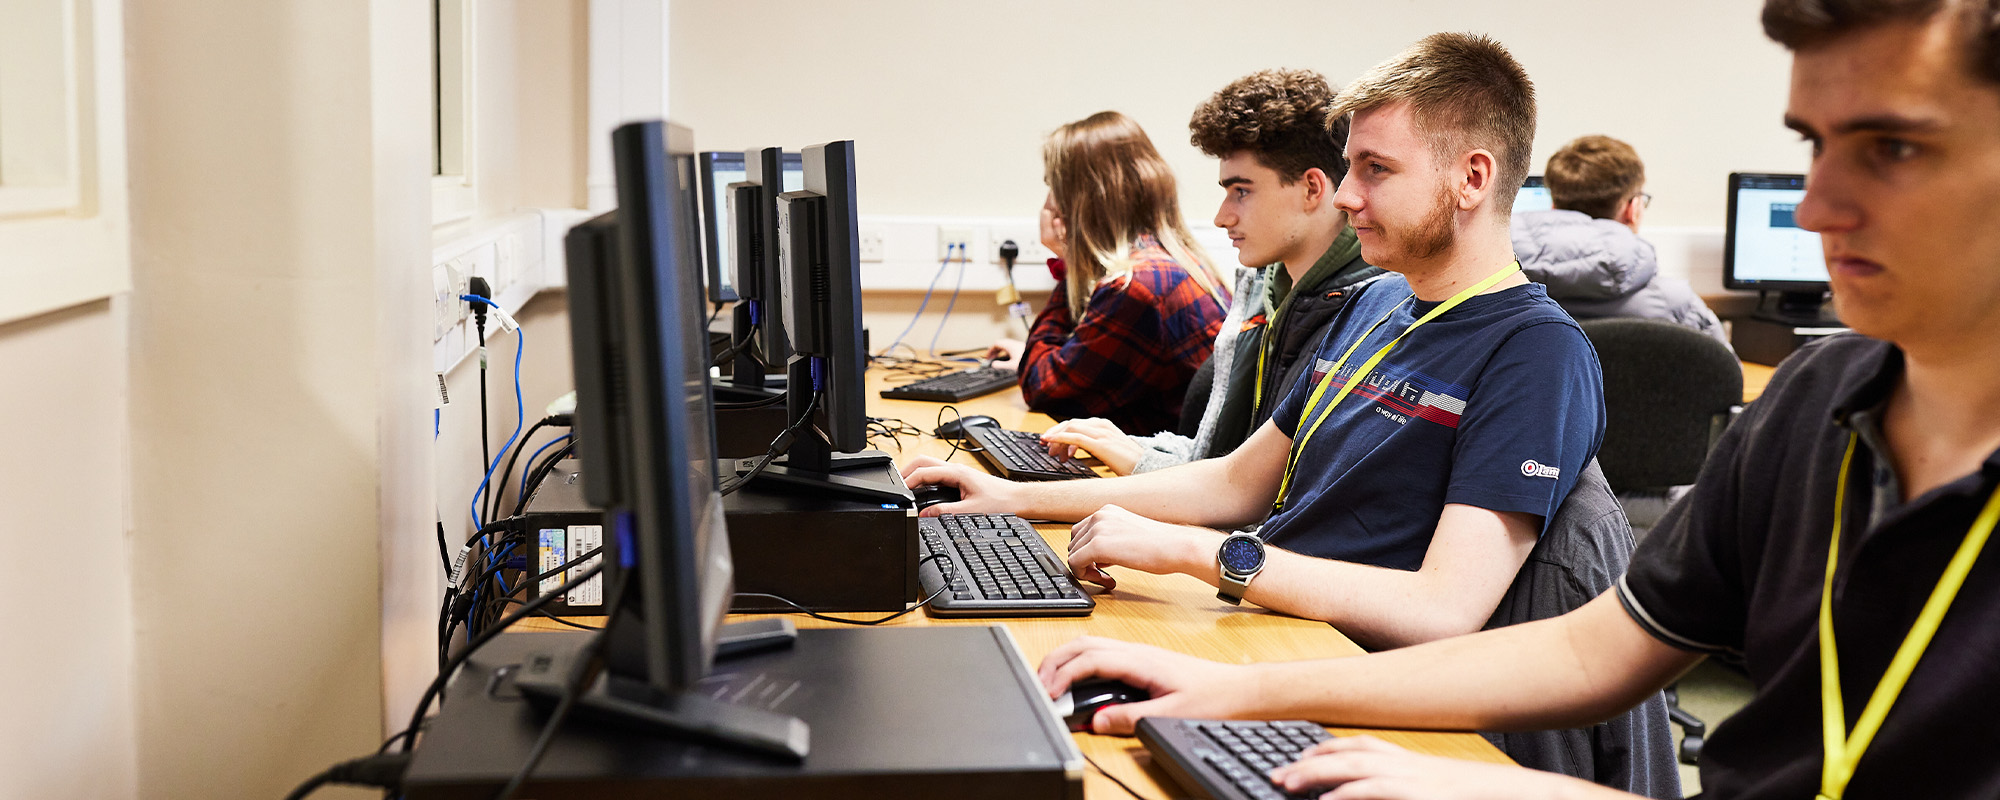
(1535, 469)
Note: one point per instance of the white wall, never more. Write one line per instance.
(948, 103)
(68, 728)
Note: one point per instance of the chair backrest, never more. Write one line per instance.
(1664, 388)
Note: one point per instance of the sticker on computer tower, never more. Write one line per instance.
(554, 545)
(583, 539)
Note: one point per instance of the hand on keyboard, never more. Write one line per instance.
(979, 492)
(1101, 437)
(1115, 536)
(1181, 685)
(1392, 772)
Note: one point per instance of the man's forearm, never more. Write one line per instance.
(1377, 607)
(1578, 669)
(1203, 492)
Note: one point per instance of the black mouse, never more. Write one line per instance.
(1080, 704)
(931, 494)
(955, 429)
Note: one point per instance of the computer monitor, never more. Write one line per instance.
(1765, 250)
(645, 435)
(1534, 196)
(818, 247)
(719, 172)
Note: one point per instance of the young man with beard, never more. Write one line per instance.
(1403, 481)
(1834, 540)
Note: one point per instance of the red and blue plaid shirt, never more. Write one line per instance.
(1130, 358)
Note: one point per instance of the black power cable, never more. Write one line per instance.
(444, 675)
(580, 673)
(783, 440)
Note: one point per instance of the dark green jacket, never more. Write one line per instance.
(1301, 318)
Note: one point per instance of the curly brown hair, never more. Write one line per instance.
(1281, 116)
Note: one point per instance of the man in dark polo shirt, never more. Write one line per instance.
(1874, 458)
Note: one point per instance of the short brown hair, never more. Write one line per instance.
(1466, 91)
(1800, 24)
(1283, 116)
(1595, 175)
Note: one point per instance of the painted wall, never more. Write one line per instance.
(948, 103)
(68, 730)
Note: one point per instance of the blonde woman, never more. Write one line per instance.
(1137, 304)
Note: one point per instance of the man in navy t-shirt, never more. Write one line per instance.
(1497, 404)
(1405, 512)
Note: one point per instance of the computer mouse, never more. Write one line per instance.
(955, 429)
(1085, 697)
(931, 494)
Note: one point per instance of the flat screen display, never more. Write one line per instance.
(1766, 246)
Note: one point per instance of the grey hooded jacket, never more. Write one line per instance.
(1600, 268)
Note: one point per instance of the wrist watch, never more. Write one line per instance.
(1241, 558)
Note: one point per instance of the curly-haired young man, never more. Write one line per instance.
(1279, 149)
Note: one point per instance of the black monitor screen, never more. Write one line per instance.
(819, 249)
(719, 172)
(1764, 247)
(645, 430)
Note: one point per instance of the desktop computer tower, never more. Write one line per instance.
(892, 713)
(559, 526)
(821, 551)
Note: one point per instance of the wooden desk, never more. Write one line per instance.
(1755, 378)
(1176, 612)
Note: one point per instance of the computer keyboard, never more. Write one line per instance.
(952, 387)
(994, 565)
(1021, 456)
(1228, 759)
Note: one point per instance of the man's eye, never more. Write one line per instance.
(1895, 150)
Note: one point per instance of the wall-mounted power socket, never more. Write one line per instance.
(954, 243)
(871, 246)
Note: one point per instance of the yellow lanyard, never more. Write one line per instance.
(1843, 751)
(1299, 444)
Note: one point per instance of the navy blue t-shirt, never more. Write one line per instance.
(1497, 403)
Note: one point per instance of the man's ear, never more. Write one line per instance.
(1477, 174)
(1319, 188)
(1628, 212)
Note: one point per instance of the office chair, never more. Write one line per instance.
(1669, 392)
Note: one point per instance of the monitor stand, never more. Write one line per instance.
(627, 702)
(1798, 309)
(810, 462)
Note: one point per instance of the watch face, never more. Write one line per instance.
(1241, 555)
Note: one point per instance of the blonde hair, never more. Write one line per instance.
(1112, 187)
(1465, 91)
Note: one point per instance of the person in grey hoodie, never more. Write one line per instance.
(1587, 249)
(1280, 164)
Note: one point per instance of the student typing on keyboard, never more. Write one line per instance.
(1837, 543)
(1402, 482)
(1301, 262)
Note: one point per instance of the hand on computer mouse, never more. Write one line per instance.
(1006, 354)
(1180, 685)
(1078, 707)
(1101, 437)
(979, 493)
